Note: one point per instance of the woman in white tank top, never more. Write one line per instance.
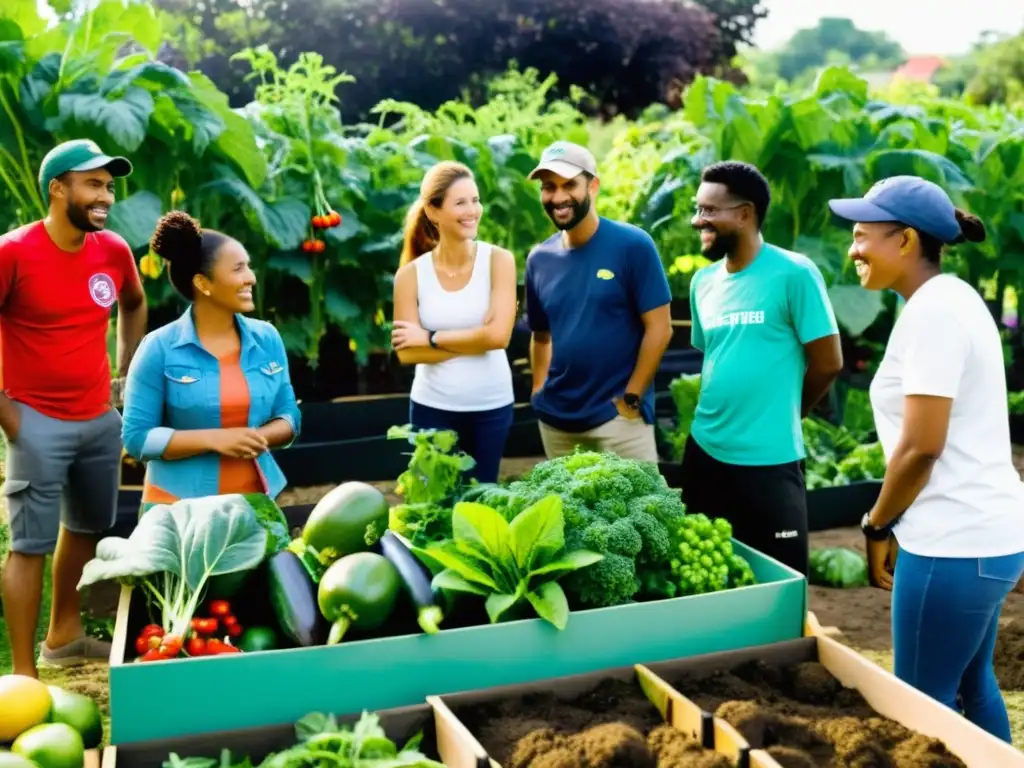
(455, 306)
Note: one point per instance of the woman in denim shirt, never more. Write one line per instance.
(208, 395)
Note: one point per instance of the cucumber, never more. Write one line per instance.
(338, 523)
(416, 580)
(359, 590)
(294, 600)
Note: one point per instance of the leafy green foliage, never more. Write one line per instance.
(176, 549)
(838, 567)
(509, 562)
(429, 485)
(620, 508)
(685, 391)
(320, 738)
(836, 457)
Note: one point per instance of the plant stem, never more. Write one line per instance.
(26, 168)
(25, 205)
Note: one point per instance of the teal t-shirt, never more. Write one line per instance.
(751, 326)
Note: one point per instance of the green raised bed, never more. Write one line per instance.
(250, 690)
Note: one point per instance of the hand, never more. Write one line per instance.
(238, 443)
(117, 392)
(624, 410)
(10, 418)
(405, 334)
(880, 572)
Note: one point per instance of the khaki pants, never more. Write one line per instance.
(628, 438)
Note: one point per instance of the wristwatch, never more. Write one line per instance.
(632, 401)
(432, 339)
(871, 532)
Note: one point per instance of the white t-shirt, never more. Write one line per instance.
(468, 382)
(946, 344)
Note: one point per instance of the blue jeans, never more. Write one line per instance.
(945, 617)
(482, 434)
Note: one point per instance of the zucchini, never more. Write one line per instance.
(359, 590)
(293, 599)
(416, 580)
(351, 518)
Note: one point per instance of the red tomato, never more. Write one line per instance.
(220, 608)
(196, 646)
(170, 645)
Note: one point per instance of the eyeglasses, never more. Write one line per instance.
(709, 212)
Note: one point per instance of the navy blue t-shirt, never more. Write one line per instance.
(591, 299)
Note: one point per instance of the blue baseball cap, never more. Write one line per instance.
(909, 200)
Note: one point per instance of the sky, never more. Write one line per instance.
(920, 26)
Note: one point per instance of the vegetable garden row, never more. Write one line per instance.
(270, 172)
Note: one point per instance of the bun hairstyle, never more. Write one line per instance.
(187, 247)
(972, 230)
(420, 233)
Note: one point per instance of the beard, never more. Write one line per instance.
(580, 209)
(78, 215)
(721, 246)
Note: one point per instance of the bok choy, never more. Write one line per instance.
(175, 549)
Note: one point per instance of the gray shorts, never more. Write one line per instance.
(61, 473)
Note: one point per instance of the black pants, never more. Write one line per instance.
(767, 505)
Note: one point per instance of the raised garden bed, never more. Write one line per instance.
(815, 702)
(398, 666)
(841, 505)
(616, 717)
(400, 725)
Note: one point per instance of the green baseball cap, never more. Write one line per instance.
(78, 155)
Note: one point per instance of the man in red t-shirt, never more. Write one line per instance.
(59, 278)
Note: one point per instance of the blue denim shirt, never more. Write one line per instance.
(174, 383)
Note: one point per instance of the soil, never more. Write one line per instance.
(613, 725)
(803, 716)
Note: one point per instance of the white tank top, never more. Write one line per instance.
(467, 382)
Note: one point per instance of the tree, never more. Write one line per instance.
(627, 53)
(810, 48)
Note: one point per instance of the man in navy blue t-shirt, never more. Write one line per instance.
(597, 302)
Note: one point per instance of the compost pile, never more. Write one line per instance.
(611, 726)
(804, 717)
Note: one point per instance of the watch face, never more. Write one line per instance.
(631, 401)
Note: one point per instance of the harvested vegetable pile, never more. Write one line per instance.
(804, 717)
(611, 725)
(623, 509)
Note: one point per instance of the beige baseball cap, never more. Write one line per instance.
(567, 160)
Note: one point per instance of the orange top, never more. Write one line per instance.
(236, 475)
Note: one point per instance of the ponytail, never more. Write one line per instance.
(420, 234)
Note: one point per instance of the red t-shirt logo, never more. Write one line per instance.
(102, 290)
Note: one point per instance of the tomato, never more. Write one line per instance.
(143, 644)
(153, 654)
(229, 620)
(335, 219)
(235, 630)
(220, 608)
(170, 645)
(321, 246)
(196, 646)
(152, 629)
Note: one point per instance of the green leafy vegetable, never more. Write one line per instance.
(509, 562)
(429, 485)
(322, 742)
(685, 390)
(273, 521)
(175, 549)
(836, 457)
(838, 567)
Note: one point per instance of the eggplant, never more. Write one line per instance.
(293, 597)
(416, 580)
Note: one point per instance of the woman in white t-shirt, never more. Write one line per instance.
(951, 495)
(455, 307)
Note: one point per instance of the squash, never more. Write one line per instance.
(348, 519)
(360, 590)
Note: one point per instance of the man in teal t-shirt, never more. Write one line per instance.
(762, 317)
